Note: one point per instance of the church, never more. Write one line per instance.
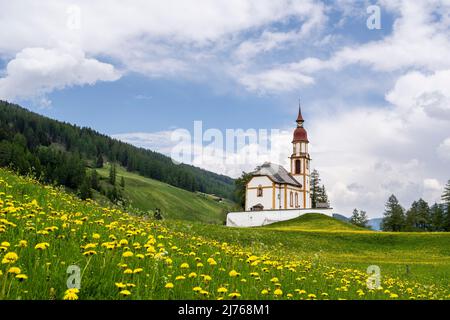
(273, 187)
(274, 193)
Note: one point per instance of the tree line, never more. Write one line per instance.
(420, 216)
(59, 152)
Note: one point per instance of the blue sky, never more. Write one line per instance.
(376, 101)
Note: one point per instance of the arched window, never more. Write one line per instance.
(296, 199)
(259, 193)
(298, 168)
(291, 199)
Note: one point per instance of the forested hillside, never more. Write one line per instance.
(59, 152)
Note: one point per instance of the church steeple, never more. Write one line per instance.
(300, 159)
(300, 119)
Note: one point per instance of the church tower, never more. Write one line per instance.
(300, 159)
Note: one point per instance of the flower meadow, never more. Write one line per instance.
(44, 231)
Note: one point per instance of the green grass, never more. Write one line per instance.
(314, 222)
(421, 256)
(302, 264)
(147, 194)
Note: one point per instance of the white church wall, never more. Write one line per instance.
(252, 193)
(263, 181)
(262, 218)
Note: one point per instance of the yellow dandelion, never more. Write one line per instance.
(234, 273)
(184, 266)
(169, 285)
(21, 277)
(120, 285)
(71, 294)
(14, 270)
(127, 254)
(222, 290)
(234, 295)
(42, 246)
(278, 292)
(10, 257)
(125, 293)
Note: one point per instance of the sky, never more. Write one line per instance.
(376, 100)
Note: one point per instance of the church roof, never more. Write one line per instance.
(276, 173)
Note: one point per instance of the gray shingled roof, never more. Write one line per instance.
(277, 173)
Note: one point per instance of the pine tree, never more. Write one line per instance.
(99, 161)
(240, 185)
(359, 218)
(314, 188)
(95, 183)
(446, 194)
(394, 216)
(437, 218)
(122, 182)
(112, 174)
(85, 191)
(322, 196)
(446, 206)
(418, 216)
(363, 219)
(354, 219)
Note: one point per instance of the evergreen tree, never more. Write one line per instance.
(122, 182)
(315, 188)
(418, 217)
(363, 219)
(322, 196)
(446, 194)
(354, 219)
(240, 185)
(437, 218)
(95, 181)
(85, 191)
(394, 216)
(99, 161)
(446, 206)
(112, 174)
(359, 218)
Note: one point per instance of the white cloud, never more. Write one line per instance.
(274, 80)
(421, 28)
(443, 149)
(150, 37)
(38, 71)
(428, 92)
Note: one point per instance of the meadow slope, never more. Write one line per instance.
(44, 230)
(147, 194)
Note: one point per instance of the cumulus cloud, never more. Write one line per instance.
(429, 92)
(421, 27)
(159, 40)
(38, 71)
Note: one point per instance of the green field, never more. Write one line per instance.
(175, 203)
(314, 222)
(422, 256)
(43, 230)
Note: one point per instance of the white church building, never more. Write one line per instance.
(275, 194)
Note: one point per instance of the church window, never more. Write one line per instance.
(297, 166)
(291, 199)
(296, 199)
(259, 193)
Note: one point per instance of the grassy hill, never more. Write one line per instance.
(59, 152)
(43, 230)
(314, 222)
(147, 194)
